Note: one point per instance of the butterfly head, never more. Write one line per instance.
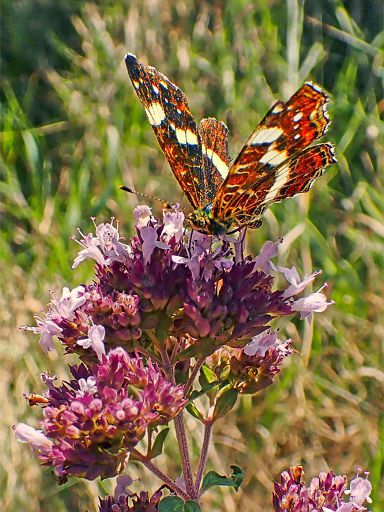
(202, 220)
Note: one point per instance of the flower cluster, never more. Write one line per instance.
(252, 368)
(168, 283)
(124, 500)
(132, 503)
(326, 493)
(92, 422)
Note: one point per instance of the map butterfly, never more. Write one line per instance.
(278, 160)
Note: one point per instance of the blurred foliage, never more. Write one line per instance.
(72, 131)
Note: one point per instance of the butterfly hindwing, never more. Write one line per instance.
(215, 160)
(292, 177)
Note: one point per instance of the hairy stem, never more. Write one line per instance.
(191, 379)
(184, 454)
(180, 435)
(162, 476)
(204, 453)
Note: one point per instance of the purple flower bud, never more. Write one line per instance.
(131, 502)
(90, 422)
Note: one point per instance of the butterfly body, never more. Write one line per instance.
(278, 160)
(203, 221)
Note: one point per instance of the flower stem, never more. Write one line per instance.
(184, 454)
(181, 437)
(195, 371)
(204, 453)
(162, 476)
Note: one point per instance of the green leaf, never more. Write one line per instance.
(176, 504)
(212, 478)
(189, 352)
(162, 329)
(191, 506)
(198, 393)
(237, 476)
(225, 403)
(171, 504)
(194, 411)
(157, 447)
(207, 376)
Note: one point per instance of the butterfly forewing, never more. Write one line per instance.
(287, 129)
(167, 110)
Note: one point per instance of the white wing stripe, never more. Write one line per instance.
(266, 136)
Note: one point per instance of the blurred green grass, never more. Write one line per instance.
(72, 132)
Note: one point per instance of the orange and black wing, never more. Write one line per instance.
(166, 107)
(276, 161)
(215, 158)
(292, 177)
(197, 156)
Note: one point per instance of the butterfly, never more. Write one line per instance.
(278, 160)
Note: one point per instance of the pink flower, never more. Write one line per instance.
(123, 482)
(192, 263)
(69, 301)
(105, 248)
(359, 490)
(96, 335)
(150, 242)
(203, 261)
(90, 250)
(59, 309)
(47, 329)
(260, 344)
(313, 303)
(92, 421)
(324, 494)
(35, 438)
(173, 224)
(110, 244)
(130, 503)
(263, 260)
(142, 215)
(87, 386)
(297, 285)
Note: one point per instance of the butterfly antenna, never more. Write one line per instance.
(166, 205)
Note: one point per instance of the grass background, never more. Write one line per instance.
(72, 132)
